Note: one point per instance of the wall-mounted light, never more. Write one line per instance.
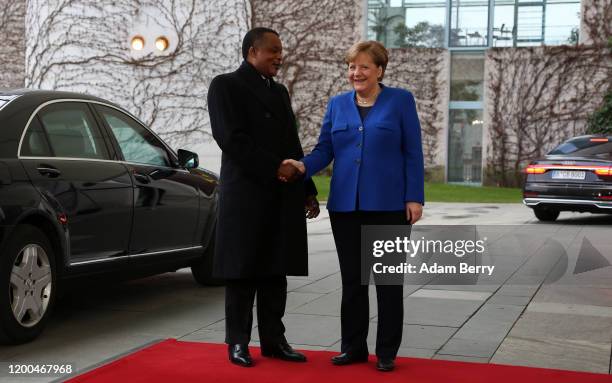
(162, 43)
(138, 43)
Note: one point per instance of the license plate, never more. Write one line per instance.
(568, 174)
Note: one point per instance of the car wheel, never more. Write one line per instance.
(202, 269)
(546, 215)
(27, 285)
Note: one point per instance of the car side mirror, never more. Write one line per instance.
(187, 159)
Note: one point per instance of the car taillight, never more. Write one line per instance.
(530, 194)
(606, 197)
(535, 169)
(603, 171)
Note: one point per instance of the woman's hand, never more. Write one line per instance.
(414, 211)
(299, 165)
(296, 167)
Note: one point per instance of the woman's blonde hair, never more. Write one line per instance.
(374, 49)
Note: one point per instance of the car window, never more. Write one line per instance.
(72, 132)
(137, 143)
(35, 143)
(584, 147)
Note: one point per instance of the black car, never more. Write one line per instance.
(575, 176)
(86, 189)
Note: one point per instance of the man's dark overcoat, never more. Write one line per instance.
(261, 228)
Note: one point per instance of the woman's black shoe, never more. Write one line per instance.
(385, 365)
(347, 358)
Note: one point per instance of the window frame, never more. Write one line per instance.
(489, 41)
(172, 157)
(36, 123)
(36, 116)
(110, 140)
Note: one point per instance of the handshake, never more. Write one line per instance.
(290, 170)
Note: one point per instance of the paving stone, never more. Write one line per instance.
(570, 308)
(538, 325)
(415, 352)
(509, 300)
(314, 330)
(180, 319)
(324, 285)
(573, 342)
(325, 304)
(438, 312)
(584, 295)
(402, 351)
(451, 294)
(459, 358)
(481, 348)
(295, 283)
(71, 351)
(559, 353)
(205, 336)
(414, 336)
(485, 288)
(516, 290)
(329, 304)
(296, 299)
(220, 325)
(492, 322)
(539, 266)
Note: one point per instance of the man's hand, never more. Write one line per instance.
(414, 211)
(287, 172)
(290, 170)
(311, 207)
(299, 165)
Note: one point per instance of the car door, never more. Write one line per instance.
(69, 161)
(166, 200)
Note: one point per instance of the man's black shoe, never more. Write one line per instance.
(239, 354)
(385, 364)
(348, 358)
(282, 351)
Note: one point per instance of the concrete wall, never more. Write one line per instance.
(12, 55)
(84, 46)
(425, 72)
(596, 22)
(315, 35)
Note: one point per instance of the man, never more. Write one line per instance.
(261, 229)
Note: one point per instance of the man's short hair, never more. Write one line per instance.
(253, 37)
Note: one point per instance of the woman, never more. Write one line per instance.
(373, 135)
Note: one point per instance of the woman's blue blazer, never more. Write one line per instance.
(379, 161)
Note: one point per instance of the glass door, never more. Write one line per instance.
(465, 130)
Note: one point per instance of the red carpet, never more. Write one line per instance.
(185, 362)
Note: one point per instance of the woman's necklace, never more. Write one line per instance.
(367, 101)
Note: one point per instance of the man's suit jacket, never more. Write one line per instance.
(261, 229)
(379, 160)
